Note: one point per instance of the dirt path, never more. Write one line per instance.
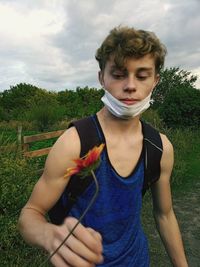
(187, 209)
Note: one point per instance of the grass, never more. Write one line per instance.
(18, 177)
(187, 157)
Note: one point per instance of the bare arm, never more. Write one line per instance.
(84, 247)
(165, 218)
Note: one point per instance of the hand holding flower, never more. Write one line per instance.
(84, 167)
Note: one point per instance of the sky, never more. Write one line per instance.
(52, 43)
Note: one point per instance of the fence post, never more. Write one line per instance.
(19, 136)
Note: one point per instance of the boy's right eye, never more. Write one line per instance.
(118, 76)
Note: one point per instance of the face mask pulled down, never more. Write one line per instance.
(123, 111)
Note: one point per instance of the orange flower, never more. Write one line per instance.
(87, 163)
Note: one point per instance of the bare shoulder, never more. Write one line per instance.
(167, 145)
(167, 159)
(61, 156)
(161, 192)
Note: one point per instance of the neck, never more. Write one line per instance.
(108, 121)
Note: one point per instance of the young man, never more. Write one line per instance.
(111, 232)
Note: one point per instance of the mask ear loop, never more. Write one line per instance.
(153, 88)
(151, 101)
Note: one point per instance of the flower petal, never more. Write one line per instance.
(79, 162)
(93, 155)
(71, 171)
(86, 162)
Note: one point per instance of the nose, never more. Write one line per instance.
(130, 85)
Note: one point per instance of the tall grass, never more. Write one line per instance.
(17, 178)
(186, 144)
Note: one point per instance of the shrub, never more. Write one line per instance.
(45, 115)
(181, 107)
(3, 114)
(151, 116)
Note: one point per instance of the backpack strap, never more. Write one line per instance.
(153, 149)
(89, 138)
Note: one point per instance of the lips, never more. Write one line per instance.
(129, 101)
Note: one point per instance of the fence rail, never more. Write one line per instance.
(27, 140)
(23, 143)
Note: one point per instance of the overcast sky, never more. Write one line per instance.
(52, 43)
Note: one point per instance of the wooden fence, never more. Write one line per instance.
(23, 143)
(27, 140)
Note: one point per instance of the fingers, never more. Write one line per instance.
(87, 236)
(83, 248)
(57, 261)
(67, 256)
(95, 234)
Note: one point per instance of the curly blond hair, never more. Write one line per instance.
(125, 42)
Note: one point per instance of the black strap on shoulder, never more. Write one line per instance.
(153, 149)
(87, 132)
(89, 138)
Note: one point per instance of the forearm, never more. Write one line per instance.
(171, 237)
(33, 226)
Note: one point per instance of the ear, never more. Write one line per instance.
(100, 75)
(156, 81)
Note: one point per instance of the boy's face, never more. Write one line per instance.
(132, 83)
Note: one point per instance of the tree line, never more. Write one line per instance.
(176, 100)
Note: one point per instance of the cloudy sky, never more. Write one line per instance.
(51, 43)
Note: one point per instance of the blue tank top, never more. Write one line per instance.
(116, 213)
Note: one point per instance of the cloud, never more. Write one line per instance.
(52, 44)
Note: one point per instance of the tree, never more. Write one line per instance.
(169, 80)
(16, 97)
(20, 98)
(80, 103)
